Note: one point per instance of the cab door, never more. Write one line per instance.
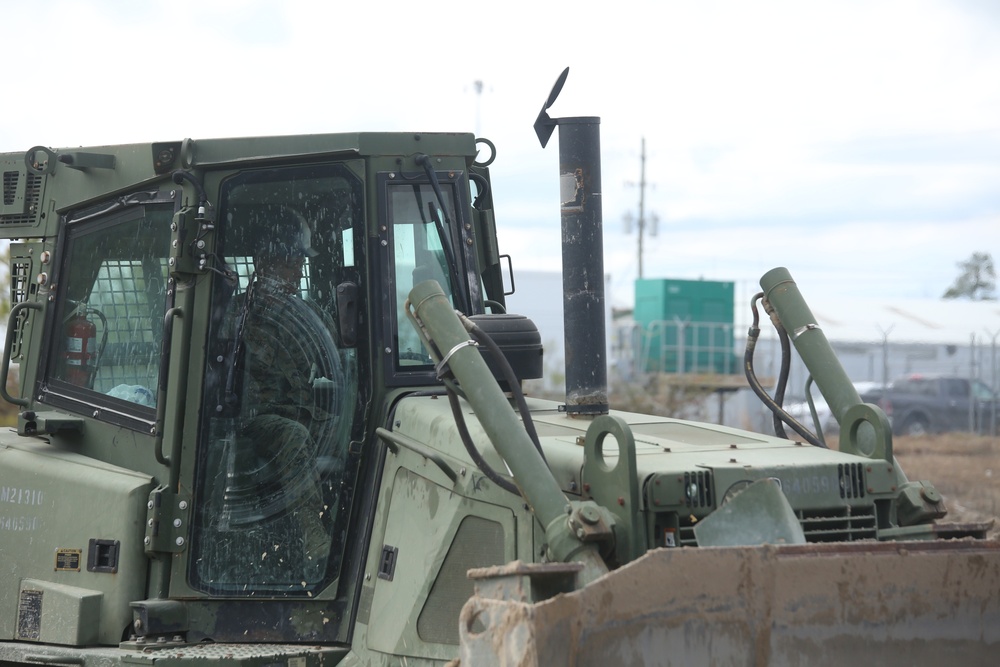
(282, 409)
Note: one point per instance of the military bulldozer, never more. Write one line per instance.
(221, 462)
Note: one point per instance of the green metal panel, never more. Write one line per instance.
(686, 325)
(423, 529)
(57, 613)
(71, 529)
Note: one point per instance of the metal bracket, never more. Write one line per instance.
(851, 441)
(616, 488)
(191, 240)
(30, 422)
(81, 160)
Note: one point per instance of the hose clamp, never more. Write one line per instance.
(804, 328)
(441, 365)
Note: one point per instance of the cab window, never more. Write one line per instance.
(419, 252)
(113, 291)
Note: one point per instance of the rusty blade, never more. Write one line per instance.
(906, 603)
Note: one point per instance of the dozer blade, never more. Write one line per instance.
(905, 603)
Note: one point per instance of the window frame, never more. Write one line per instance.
(57, 392)
(463, 252)
(229, 241)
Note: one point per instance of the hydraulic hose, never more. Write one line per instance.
(818, 356)
(786, 364)
(758, 389)
(470, 447)
(508, 373)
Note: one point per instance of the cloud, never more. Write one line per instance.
(856, 142)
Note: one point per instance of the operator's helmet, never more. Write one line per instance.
(285, 234)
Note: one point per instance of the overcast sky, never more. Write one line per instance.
(856, 143)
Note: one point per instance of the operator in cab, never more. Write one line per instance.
(278, 386)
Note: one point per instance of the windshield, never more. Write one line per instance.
(982, 392)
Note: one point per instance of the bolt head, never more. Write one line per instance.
(930, 495)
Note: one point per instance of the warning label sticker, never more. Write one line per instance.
(68, 560)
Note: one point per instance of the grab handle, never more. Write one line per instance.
(8, 342)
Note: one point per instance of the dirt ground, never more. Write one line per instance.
(964, 468)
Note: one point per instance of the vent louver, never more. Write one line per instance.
(842, 524)
(698, 489)
(20, 207)
(852, 480)
(10, 180)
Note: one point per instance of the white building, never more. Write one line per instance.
(875, 339)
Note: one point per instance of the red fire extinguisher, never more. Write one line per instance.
(81, 348)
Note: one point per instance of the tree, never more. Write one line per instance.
(978, 280)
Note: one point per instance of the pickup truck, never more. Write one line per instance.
(919, 403)
(825, 422)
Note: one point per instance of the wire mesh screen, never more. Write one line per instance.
(20, 281)
(128, 297)
(243, 267)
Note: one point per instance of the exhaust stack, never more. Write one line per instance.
(582, 256)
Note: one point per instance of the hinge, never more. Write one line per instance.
(167, 518)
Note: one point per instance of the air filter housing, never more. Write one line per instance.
(518, 339)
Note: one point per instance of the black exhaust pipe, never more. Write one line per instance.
(582, 256)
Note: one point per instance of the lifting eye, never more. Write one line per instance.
(40, 160)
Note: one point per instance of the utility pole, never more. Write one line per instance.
(642, 207)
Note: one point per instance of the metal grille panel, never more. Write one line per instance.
(844, 524)
(841, 524)
(478, 543)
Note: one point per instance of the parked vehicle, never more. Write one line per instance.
(824, 421)
(925, 403)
